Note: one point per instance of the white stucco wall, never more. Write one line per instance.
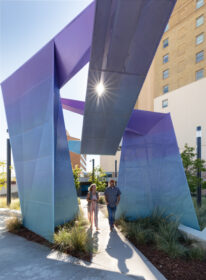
(107, 163)
(187, 106)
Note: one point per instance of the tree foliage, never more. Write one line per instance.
(76, 174)
(191, 165)
(99, 179)
(2, 174)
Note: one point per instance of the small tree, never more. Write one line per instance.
(99, 179)
(76, 174)
(191, 165)
(2, 174)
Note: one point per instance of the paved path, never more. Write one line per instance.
(116, 260)
(116, 253)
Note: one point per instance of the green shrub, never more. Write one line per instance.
(102, 200)
(76, 173)
(98, 178)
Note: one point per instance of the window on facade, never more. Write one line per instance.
(165, 89)
(166, 43)
(199, 38)
(165, 58)
(199, 56)
(167, 27)
(199, 3)
(200, 74)
(199, 21)
(165, 74)
(164, 103)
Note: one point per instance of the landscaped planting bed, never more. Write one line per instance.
(159, 239)
(73, 238)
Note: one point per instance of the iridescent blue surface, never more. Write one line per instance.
(151, 173)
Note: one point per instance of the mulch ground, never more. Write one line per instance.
(31, 236)
(174, 269)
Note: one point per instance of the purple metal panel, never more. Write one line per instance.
(73, 45)
(75, 106)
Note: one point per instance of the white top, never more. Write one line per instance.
(94, 197)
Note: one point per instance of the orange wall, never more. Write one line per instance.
(75, 158)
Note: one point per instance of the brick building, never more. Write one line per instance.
(77, 159)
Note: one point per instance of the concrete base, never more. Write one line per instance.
(193, 234)
(23, 260)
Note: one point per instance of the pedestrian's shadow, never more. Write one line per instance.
(117, 249)
(94, 240)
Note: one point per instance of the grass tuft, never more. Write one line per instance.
(74, 238)
(13, 224)
(201, 212)
(162, 231)
(15, 203)
(196, 253)
(171, 246)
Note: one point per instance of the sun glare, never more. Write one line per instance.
(100, 88)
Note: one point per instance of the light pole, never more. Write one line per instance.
(8, 167)
(93, 161)
(199, 186)
(115, 169)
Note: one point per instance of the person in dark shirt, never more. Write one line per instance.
(112, 198)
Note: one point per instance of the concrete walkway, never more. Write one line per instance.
(116, 259)
(116, 253)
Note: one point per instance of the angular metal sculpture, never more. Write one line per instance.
(37, 131)
(151, 173)
(125, 38)
(121, 55)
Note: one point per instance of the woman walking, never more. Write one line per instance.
(93, 198)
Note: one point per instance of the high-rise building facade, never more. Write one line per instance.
(181, 56)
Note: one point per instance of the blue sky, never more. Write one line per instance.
(26, 26)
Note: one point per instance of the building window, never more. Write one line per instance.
(165, 74)
(164, 103)
(167, 28)
(199, 38)
(165, 43)
(199, 3)
(166, 89)
(199, 56)
(199, 74)
(199, 21)
(165, 58)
